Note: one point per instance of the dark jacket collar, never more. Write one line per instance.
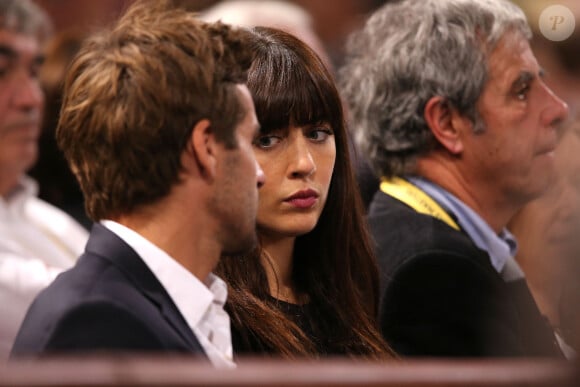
(109, 246)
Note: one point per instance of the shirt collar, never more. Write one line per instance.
(201, 305)
(14, 203)
(500, 247)
(191, 296)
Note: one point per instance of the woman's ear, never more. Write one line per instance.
(202, 146)
(446, 124)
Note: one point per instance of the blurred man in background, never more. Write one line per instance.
(37, 240)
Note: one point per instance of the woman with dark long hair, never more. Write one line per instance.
(311, 287)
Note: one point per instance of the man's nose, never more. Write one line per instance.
(27, 93)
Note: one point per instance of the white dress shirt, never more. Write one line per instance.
(37, 241)
(201, 306)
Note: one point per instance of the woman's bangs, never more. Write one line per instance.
(297, 101)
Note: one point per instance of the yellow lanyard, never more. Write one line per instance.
(415, 198)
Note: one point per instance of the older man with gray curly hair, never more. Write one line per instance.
(450, 106)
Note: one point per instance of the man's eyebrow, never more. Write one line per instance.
(9, 53)
(524, 77)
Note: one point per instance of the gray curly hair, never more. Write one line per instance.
(410, 51)
(25, 17)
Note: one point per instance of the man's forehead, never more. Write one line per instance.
(17, 44)
(511, 57)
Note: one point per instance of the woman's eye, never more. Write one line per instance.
(266, 141)
(319, 135)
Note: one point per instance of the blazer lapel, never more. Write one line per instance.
(109, 246)
(537, 334)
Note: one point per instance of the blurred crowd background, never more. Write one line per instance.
(332, 19)
(548, 229)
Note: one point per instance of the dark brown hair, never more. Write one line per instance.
(133, 95)
(334, 263)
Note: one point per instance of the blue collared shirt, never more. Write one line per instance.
(501, 248)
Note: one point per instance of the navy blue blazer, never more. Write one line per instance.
(109, 301)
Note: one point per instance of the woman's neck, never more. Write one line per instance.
(278, 262)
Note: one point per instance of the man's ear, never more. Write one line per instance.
(446, 124)
(203, 147)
